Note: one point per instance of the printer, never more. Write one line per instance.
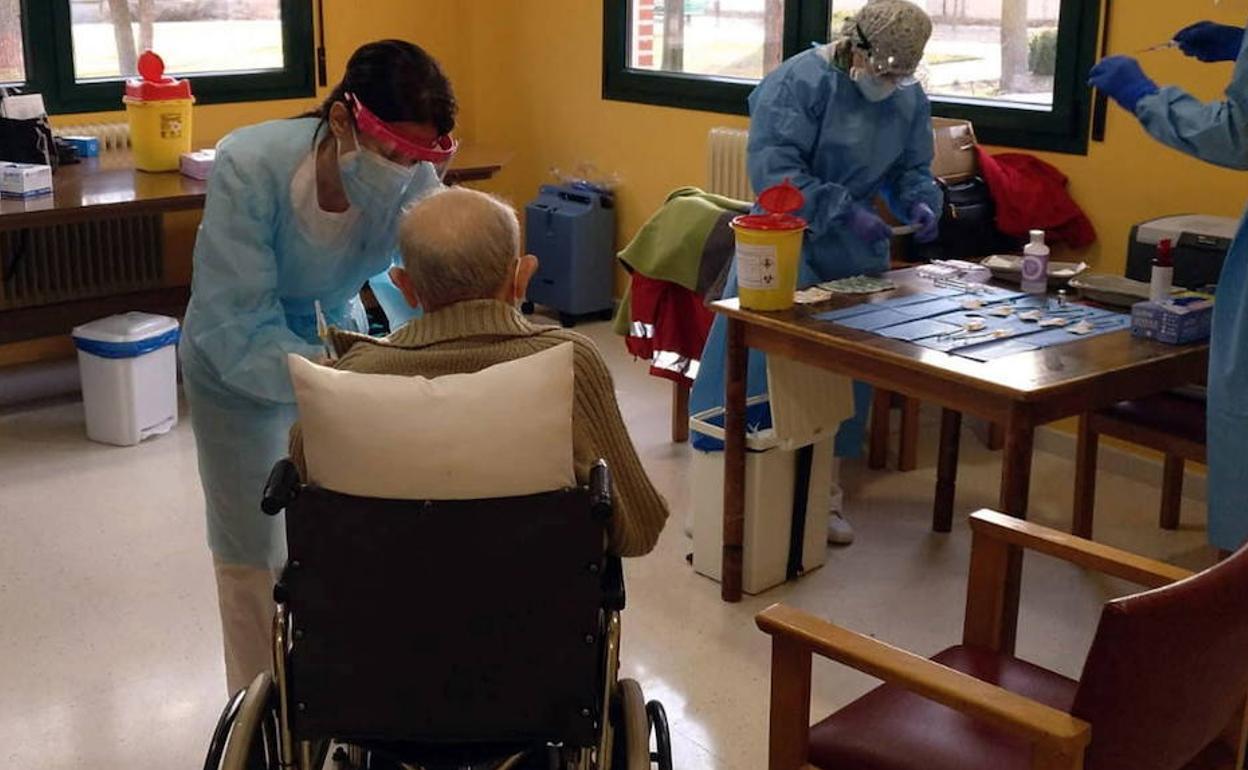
(1200, 243)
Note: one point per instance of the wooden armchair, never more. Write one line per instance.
(1163, 687)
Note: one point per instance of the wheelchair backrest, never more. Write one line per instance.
(445, 622)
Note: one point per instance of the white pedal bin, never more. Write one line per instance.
(129, 370)
(770, 480)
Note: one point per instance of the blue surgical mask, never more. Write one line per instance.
(374, 184)
(873, 87)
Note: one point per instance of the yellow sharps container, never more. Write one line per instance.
(769, 249)
(159, 109)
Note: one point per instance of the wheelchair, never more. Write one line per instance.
(432, 635)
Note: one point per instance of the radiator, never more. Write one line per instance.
(726, 171)
(63, 263)
(114, 137)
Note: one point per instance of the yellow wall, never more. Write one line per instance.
(528, 76)
(537, 89)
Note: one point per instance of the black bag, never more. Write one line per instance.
(27, 141)
(967, 224)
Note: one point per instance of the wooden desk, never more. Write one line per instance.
(109, 187)
(1019, 392)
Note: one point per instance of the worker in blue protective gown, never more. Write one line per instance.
(1217, 133)
(845, 122)
(298, 212)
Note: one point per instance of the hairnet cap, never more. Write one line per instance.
(893, 33)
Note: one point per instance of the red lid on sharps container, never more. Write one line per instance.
(779, 202)
(155, 85)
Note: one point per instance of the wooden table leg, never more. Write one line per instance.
(680, 412)
(735, 387)
(908, 453)
(1172, 492)
(881, 410)
(1020, 436)
(1085, 478)
(947, 470)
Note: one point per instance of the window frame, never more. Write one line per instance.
(50, 64)
(1064, 128)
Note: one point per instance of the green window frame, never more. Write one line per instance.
(48, 38)
(1063, 128)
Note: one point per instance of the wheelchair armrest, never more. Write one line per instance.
(613, 584)
(600, 491)
(281, 488)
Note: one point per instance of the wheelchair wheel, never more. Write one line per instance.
(662, 754)
(631, 749)
(251, 741)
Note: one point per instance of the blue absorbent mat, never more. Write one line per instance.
(934, 320)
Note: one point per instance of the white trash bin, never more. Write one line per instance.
(770, 482)
(129, 369)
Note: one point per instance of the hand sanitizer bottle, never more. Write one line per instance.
(1036, 265)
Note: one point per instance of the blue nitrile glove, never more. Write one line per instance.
(867, 225)
(922, 216)
(1121, 78)
(1210, 42)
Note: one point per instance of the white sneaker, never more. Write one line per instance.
(840, 532)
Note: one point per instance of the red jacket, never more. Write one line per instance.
(1030, 194)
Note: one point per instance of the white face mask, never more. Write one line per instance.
(329, 229)
(873, 87)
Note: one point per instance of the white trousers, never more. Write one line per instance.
(245, 597)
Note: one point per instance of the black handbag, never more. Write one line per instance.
(968, 223)
(27, 141)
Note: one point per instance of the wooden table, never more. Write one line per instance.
(1019, 392)
(108, 187)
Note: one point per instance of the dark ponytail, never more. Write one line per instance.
(399, 82)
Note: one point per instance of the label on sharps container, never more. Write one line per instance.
(757, 267)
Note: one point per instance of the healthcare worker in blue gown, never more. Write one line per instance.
(298, 211)
(1215, 132)
(844, 122)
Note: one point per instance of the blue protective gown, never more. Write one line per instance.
(1218, 133)
(810, 124)
(256, 277)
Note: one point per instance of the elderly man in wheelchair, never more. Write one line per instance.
(456, 504)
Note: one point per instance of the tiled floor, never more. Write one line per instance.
(110, 645)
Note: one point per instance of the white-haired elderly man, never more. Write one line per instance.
(463, 266)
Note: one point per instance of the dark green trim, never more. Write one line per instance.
(1063, 129)
(50, 65)
(805, 22)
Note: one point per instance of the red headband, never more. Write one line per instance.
(369, 124)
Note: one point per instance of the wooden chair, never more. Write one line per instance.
(1170, 423)
(1163, 686)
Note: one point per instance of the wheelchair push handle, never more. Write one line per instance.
(600, 491)
(281, 488)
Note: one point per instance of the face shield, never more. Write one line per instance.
(399, 148)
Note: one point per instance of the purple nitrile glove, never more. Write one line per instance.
(1122, 79)
(1210, 42)
(922, 217)
(864, 223)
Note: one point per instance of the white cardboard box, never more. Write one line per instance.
(24, 180)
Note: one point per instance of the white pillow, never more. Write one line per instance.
(500, 432)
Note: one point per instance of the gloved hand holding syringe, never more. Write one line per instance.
(322, 331)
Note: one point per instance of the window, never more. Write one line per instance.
(233, 50)
(1014, 67)
(702, 54)
(12, 49)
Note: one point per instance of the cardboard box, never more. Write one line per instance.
(87, 146)
(24, 180)
(198, 164)
(1184, 320)
(955, 149)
